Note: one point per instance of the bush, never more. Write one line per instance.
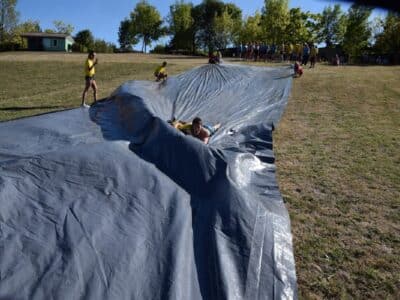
(9, 46)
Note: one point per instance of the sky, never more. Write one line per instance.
(103, 17)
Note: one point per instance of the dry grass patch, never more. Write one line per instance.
(338, 170)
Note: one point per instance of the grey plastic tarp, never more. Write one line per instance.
(112, 202)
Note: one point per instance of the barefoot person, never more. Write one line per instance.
(89, 77)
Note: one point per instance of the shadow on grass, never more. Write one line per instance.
(18, 108)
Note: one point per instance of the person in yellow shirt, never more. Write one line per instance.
(90, 64)
(196, 128)
(161, 73)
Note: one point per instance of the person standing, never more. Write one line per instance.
(313, 55)
(306, 54)
(90, 64)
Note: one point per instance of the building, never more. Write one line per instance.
(48, 41)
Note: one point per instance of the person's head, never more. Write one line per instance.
(92, 54)
(164, 63)
(197, 123)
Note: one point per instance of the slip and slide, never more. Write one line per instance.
(112, 202)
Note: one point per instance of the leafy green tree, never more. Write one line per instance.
(235, 14)
(251, 30)
(147, 23)
(102, 46)
(358, 31)
(25, 27)
(210, 17)
(85, 40)
(181, 25)
(62, 27)
(388, 41)
(126, 38)
(298, 30)
(275, 19)
(224, 27)
(332, 26)
(204, 16)
(8, 19)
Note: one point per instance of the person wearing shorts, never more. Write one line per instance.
(90, 82)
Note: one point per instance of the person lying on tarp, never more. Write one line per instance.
(196, 128)
(161, 73)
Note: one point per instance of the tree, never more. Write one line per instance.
(298, 30)
(388, 41)
(126, 38)
(181, 26)
(25, 27)
(357, 30)
(332, 26)
(236, 16)
(224, 26)
(85, 40)
(251, 30)
(210, 18)
(102, 46)
(8, 19)
(62, 27)
(146, 22)
(275, 19)
(204, 16)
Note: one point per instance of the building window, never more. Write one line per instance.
(54, 43)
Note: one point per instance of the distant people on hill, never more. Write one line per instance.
(298, 70)
(161, 72)
(196, 128)
(90, 82)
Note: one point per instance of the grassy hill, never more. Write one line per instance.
(337, 155)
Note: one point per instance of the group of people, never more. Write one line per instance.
(196, 128)
(284, 52)
(160, 74)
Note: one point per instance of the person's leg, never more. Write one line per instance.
(212, 129)
(87, 86)
(94, 87)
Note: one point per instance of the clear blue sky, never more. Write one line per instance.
(102, 17)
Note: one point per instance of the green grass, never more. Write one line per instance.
(337, 155)
(338, 164)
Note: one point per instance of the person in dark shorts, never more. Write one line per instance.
(90, 64)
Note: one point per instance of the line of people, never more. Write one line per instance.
(257, 51)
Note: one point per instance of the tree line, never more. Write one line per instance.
(214, 24)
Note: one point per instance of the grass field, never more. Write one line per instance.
(337, 155)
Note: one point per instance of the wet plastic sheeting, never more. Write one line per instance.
(112, 202)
